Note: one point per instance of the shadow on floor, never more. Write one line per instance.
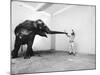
(43, 52)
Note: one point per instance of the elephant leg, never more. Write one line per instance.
(29, 51)
(16, 48)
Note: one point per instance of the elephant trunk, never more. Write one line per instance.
(56, 32)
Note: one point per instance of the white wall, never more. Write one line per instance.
(82, 20)
(21, 13)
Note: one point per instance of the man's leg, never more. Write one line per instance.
(70, 48)
(74, 49)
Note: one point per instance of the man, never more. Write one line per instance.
(71, 47)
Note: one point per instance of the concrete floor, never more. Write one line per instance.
(56, 61)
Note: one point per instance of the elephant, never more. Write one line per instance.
(25, 33)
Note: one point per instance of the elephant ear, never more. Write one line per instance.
(39, 21)
(40, 24)
(35, 25)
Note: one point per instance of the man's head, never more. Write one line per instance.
(73, 33)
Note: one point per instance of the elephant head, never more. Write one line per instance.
(42, 28)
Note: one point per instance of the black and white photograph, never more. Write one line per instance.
(52, 37)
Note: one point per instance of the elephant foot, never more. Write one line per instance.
(32, 53)
(14, 55)
(27, 57)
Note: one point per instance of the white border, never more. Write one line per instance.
(5, 36)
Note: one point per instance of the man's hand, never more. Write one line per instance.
(66, 33)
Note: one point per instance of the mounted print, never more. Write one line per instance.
(52, 37)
